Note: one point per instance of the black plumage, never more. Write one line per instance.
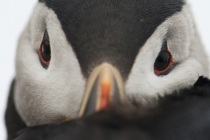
(13, 121)
(110, 30)
(183, 115)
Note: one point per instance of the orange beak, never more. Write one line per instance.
(104, 86)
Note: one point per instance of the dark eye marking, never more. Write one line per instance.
(45, 51)
(164, 61)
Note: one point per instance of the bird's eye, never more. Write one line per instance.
(163, 62)
(45, 51)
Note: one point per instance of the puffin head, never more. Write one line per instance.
(70, 48)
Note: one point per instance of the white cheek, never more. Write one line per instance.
(143, 84)
(47, 95)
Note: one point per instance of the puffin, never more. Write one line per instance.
(109, 68)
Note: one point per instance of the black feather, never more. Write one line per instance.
(13, 121)
(110, 30)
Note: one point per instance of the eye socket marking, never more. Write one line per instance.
(45, 51)
(162, 66)
(164, 61)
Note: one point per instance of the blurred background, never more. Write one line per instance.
(15, 13)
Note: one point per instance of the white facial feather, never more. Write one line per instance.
(187, 52)
(47, 95)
